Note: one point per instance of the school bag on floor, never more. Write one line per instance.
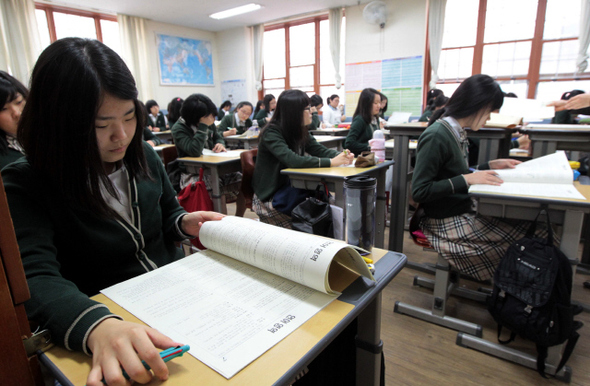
(195, 197)
(531, 295)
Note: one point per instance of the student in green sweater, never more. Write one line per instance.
(316, 103)
(264, 114)
(157, 121)
(285, 143)
(237, 122)
(472, 243)
(13, 95)
(195, 131)
(174, 110)
(566, 116)
(364, 121)
(224, 110)
(92, 206)
(431, 95)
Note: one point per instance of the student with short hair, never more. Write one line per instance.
(567, 116)
(333, 112)
(316, 103)
(472, 243)
(286, 143)
(266, 111)
(195, 131)
(237, 122)
(157, 120)
(107, 211)
(224, 110)
(364, 121)
(13, 96)
(174, 110)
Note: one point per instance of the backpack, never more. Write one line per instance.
(531, 295)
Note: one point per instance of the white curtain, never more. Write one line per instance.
(436, 27)
(584, 38)
(335, 23)
(258, 45)
(134, 46)
(20, 44)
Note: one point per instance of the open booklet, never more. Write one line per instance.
(549, 176)
(254, 285)
(503, 121)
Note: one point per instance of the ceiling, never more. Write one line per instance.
(195, 13)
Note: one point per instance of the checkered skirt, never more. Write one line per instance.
(270, 215)
(472, 243)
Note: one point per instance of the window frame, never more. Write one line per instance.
(533, 77)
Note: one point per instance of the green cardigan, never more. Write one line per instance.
(160, 121)
(8, 156)
(359, 135)
(190, 143)
(149, 136)
(437, 183)
(229, 122)
(425, 117)
(262, 117)
(70, 254)
(275, 155)
(315, 121)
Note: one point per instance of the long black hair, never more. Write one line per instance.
(196, 107)
(10, 87)
(433, 93)
(259, 105)
(473, 96)
(57, 126)
(288, 118)
(267, 99)
(174, 110)
(364, 108)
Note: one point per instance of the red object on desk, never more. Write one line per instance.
(344, 125)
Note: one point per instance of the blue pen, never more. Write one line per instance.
(166, 356)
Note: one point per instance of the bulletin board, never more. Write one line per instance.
(234, 91)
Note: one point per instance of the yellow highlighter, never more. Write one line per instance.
(367, 260)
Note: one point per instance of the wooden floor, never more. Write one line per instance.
(420, 353)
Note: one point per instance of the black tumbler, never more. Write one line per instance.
(361, 193)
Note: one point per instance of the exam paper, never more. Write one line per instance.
(228, 154)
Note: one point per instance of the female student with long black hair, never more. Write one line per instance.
(283, 144)
(364, 121)
(264, 115)
(174, 111)
(13, 95)
(431, 95)
(472, 243)
(107, 211)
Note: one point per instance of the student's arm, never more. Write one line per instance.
(354, 140)
(276, 144)
(217, 137)
(313, 147)
(225, 126)
(188, 142)
(315, 121)
(149, 136)
(161, 122)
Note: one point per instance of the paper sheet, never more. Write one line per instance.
(227, 154)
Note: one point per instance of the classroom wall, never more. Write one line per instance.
(403, 36)
(164, 94)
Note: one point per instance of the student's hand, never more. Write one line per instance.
(323, 125)
(313, 109)
(344, 158)
(191, 223)
(504, 163)
(233, 131)
(156, 129)
(578, 102)
(115, 343)
(150, 127)
(382, 123)
(342, 118)
(487, 177)
(218, 148)
(151, 143)
(524, 142)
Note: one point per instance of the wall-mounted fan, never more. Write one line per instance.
(375, 13)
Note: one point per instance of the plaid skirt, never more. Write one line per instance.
(474, 244)
(229, 184)
(270, 215)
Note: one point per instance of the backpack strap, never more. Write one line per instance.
(531, 231)
(567, 352)
(512, 335)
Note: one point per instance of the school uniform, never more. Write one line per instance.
(231, 121)
(275, 155)
(222, 113)
(159, 121)
(472, 243)
(315, 121)
(263, 117)
(359, 135)
(332, 115)
(149, 136)
(69, 254)
(12, 152)
(425, 117)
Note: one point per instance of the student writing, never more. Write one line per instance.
(13, 95)
(107, 213)
(364, 121)
(237, 122)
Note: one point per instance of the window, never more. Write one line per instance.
(529, 46)
(58, 22)
(297, 56)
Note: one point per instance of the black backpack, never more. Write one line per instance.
(531, 295)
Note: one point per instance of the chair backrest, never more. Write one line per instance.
(169, 153)
(248, 159)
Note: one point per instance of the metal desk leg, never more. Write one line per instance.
(369, 345)
(340, 202)
(541, 148)
(216, 192)
(380, 209)
(572, 230)
(489, 149)
(398, 194)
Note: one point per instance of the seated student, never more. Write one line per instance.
(284, 144)
(567, 116)
(13, 95)
(472, 243)
(174, 111)
(148, 135)
(510, 95)
(157, 120)
(383, 107)
(195, 131)
(257, 108)
(579, 104)
(266, 110)
(107, 212)
(364, 121)
(316, 103)
(333, 112)
(237, 122)
(430, 96)
(223, 110)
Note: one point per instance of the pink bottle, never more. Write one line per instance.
(378, 146)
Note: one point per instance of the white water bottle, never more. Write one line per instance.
(378, 146)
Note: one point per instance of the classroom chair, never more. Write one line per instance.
(248, 160)
(169, 154)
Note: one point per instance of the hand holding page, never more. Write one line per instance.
(548, 176)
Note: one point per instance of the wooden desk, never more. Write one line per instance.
(570, 214)
(334, 177)
(283, 362)
(158, 149)
(164, 135)
(331, 142)
(494, 142)
(546, 139)
(249, 143)
(217, 166)
(333, 131)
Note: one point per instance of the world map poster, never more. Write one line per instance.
(185, 61)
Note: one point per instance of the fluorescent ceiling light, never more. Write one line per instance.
(235, 11)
